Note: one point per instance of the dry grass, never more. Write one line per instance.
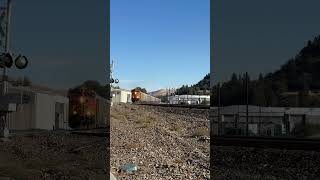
(133, 145)
(145, 121)
(117, 116)
(178, 161)
(200, 131)
(120, 114)
(175, 127)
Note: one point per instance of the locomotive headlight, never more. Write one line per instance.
(81, 99)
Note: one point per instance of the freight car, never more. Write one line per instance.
(138, 96)
(86, 109)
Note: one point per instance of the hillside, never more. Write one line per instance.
(299, 75)
(159, 93)
(201, 88)
(204, 83)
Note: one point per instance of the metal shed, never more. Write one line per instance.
(121, 96)
(38, 109)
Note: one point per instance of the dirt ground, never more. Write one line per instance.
(264, 164)
(172, 143)
(48, 155)
(164, 143)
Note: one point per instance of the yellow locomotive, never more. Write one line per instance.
(138, 96)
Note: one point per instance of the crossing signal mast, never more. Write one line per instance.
(112, 80)
(6, 62)
(6, 57)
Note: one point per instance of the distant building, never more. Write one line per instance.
(264, 121)
(189, 99)
(38, 109)
(121, 96)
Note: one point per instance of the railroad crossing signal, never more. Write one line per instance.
(112, 80)
(6, 61)
(6, 58)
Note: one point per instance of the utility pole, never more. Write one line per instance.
(219, 104)
(5, 39)
(5, 35)
(247, 104)
(167, 91)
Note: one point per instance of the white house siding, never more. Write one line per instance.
(46, 110)
(189, 99)
(24, 117)
(121, 96)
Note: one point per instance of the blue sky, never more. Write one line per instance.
(157, 43)
(160, 43)
(65, 41)
(259, 36)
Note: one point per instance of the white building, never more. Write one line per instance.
(121, 96)
(189, 99)
(265, 121)
(38, 109)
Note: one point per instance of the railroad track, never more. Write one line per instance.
(268, 142)
(101, 132)
(176, 105)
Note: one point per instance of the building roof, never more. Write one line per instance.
(191, 96)
(39, 89)
(113, 89)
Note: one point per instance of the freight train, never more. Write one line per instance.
(138, 96)
(86, 109)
